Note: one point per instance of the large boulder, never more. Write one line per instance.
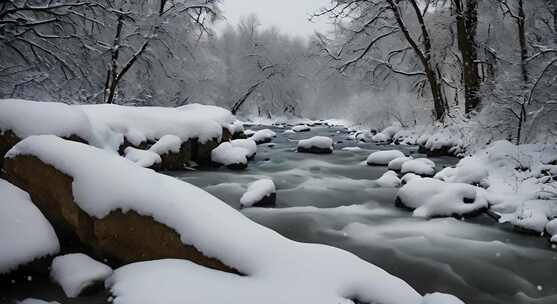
(125, 237)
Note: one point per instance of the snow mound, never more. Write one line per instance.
(407, 177)
(257, 191)
(263, 136)
(301, 128)
(228, 155)
(25, 234)
(383, 158)
(469, 170)
(405, 137)
(167, 144)
(389, 179)
(248, 144)
(420, 166)
(75, 272)
(317, 144)
(433, 198)
(143, 158)
(532, 215)
(445, 141)
(271, 263)
(391, 131)
(396, 164)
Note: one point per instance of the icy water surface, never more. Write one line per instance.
(332, 199)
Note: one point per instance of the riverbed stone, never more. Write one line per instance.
(124, 237)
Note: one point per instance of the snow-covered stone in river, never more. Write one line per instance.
(75, 272)
(25, 234)
(389, 179)
(407, 177)
(383, 158)
(231, 156)
(352, 149)
(420, 166)
(381, 138)
(143, 158)
(248, 144)
(469, 170)
(259, 193)
(396, 164)
(301, 128)
(316, 144)
(263, 136)
(268, 262)
(430, 197)
(167, 144)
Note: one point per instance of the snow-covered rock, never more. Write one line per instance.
(432, 198)
(391, 131)
(396, 164)
(260, 193)
(263, 136)
(76, 272)
(448, 141)
(383, 158)
(407, 177)
(143, 158)
(301, 128)
(270, 263)
(248, 144)
(381, 138)
(25, 234)
(421, 166)
(233, 157)
(316, 144)
(441, 298)
(389, 179)
(405, 137)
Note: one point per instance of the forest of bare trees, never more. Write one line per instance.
(492, 63)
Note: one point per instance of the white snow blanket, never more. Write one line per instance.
(383, 158)
(551, 228)
(320, 142)
(420, 166)
(106, 125)
(257, 191)
(430, 197)
(75, 272)
(25, 234)
(271, 263)
(248, 144)
(381, 138)
(396, 164)
(35, 301)
(143, 158)
(389, 179)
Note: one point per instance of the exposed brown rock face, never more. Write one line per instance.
(7, 140)
(126, 237)
(177, 161)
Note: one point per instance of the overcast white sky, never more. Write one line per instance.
(290, 16)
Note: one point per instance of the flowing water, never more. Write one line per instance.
(332, 199)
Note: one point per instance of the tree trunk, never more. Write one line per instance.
(467, 24)
(111, 83)
(522, 38)
(424, 56)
